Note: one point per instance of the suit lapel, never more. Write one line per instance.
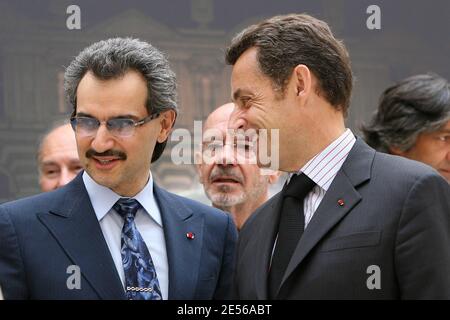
(355, 170)
(74, 225)
(267, 233)
(328, 214)
(183, 254)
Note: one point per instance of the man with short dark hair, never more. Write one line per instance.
(351, 223)
(413, 121)
(112, 233)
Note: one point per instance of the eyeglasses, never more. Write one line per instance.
(118, 127)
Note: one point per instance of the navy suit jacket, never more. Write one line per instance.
(41, 236)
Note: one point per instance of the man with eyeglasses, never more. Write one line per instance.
(112, 233)
(231, 180)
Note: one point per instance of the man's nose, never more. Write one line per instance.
(236, 121)
(103, 140)
(228, 156)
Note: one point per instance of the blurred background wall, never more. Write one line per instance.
(36, 45)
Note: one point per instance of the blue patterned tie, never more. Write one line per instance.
(141, 282)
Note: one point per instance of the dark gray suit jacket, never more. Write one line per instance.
(396, 216)
(42, 235)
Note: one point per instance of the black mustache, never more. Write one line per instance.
(108, 153)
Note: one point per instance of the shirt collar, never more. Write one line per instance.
(103, 198)
(341, 145)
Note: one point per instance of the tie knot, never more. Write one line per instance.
(299, 186)
(127, 207)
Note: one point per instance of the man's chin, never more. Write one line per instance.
(226, 188)
(101, 178)
(221, 199)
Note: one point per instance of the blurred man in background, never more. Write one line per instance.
(58, 158)
(232, 185)
(413, 121)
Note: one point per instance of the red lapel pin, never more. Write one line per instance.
(190, 235)
(341, 202)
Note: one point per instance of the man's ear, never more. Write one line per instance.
(166, 120)
(302, 81)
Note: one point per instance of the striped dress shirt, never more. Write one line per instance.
(322, 169)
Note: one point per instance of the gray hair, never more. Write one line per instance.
(415, 105)
(112, 58)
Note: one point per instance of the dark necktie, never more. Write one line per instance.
(290, 228)
(141, 282)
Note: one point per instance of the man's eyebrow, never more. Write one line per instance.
(209, 137)
(82, 114)
(49, 163)
(122, 116)
(126, 116)
(239, 93)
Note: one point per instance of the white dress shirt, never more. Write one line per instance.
(322, 169)
(148, 222)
